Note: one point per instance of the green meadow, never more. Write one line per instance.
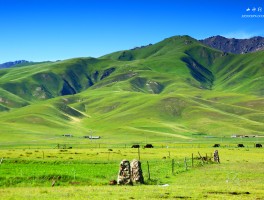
(85, 173)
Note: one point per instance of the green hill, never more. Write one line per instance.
(177, 90)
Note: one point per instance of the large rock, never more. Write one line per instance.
(136, 172)
(124, 175)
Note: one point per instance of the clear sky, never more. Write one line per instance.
(40, 30)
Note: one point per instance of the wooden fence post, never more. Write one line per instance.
(185, 162)
(148, 171)
(172, 166)
(201, 157)
(192, 159)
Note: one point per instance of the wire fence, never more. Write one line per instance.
(97, 144)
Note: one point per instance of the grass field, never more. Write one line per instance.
(85, 173)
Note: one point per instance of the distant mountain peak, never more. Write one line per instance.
(12, 63)
(233, 45)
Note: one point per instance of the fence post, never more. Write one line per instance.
(148, 171)
(185, 162)
(172, 166)
(192, 159)
(201, 157)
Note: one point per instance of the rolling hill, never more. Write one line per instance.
(178, 89)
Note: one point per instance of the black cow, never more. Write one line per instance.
(216, 145)
(240, 145)
(258, 145)
(135, 146)
(148, 146)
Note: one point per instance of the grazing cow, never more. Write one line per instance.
(240, 145)
(258, 145)
(135, 146)
(216, 145)
(148, 146)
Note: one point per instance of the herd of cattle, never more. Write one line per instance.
(241, 145)
(146, 146)
(215, 145)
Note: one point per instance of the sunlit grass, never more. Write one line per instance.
(85, 173)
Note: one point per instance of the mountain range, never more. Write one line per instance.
(231, 45)
(237, 46)
(178, 88)
(12, 64)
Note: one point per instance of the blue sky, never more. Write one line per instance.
(40, 30)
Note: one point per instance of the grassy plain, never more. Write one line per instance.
(85, 173)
